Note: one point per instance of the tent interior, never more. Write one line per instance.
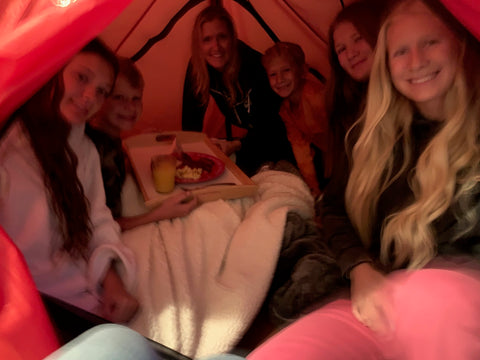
(164, 63)
(37, 37)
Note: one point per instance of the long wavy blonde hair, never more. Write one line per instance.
(446, 171)
(199, 64)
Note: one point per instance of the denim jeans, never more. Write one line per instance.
(106, 342)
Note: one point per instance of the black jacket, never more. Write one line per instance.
(266, 139)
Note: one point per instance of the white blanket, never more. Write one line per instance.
(203, 278)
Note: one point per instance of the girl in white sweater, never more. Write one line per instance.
(52, 201)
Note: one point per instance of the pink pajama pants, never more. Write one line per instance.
(436, 316)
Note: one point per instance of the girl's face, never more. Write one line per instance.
(216, 43)
(354, 53)
(422, 57)
(124, 106)
(282, 76)
(88, 79)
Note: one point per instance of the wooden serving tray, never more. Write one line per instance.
(232, 184)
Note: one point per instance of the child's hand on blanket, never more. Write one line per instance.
(177, 205)
(118, 305)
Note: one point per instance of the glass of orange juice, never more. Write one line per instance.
(163, 172)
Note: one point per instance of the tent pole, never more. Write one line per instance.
(249, 7)
(135, 26)
(192, 3)
(152, 41)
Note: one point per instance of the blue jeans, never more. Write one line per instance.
(106, 342)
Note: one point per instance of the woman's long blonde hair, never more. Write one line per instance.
(201, 77)
(446, 171)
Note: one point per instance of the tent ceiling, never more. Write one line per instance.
(303, 21)
(38, 36)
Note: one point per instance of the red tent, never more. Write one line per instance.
(37, 37)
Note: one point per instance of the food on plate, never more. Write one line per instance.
(203, 163)
(186, 172)
(194, 167)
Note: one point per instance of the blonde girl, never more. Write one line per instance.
(412, 198)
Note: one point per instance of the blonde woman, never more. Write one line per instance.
(227, 74)
(412, 200)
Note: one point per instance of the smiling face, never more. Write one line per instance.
(88, 79)
(123, 108)
(216, 43)
(422, 57)
(282, 76)
(354, 53)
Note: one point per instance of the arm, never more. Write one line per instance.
(340, 235)
(228, 147)
(192, 109)
(105, 246)
(367, 284)
(175, 206)
(315, 113)
(370, 296)
(118, 305)
(302, 151)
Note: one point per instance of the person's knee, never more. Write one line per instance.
(438, 296)
(436, 314)
(107, 341)
(114, 332)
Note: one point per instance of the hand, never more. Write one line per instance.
(177, 205)
(370, 302)
(228, 147)
(118, 305)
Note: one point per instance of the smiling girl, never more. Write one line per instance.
(52, 202)
(413, 203)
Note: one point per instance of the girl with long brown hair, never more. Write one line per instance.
(52, 202)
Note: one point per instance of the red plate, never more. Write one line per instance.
(217, 169)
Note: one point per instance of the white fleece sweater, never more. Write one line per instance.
(27, 218)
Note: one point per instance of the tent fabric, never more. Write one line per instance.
(165, 64)
(25, 329)
(467, 12)
(38, 37)
(302, 21)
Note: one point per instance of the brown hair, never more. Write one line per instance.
(48, 133)
(128, 69)
(345, 96)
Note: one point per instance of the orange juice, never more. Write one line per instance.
(163, 172)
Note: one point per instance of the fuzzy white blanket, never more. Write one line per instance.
(203, 278)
